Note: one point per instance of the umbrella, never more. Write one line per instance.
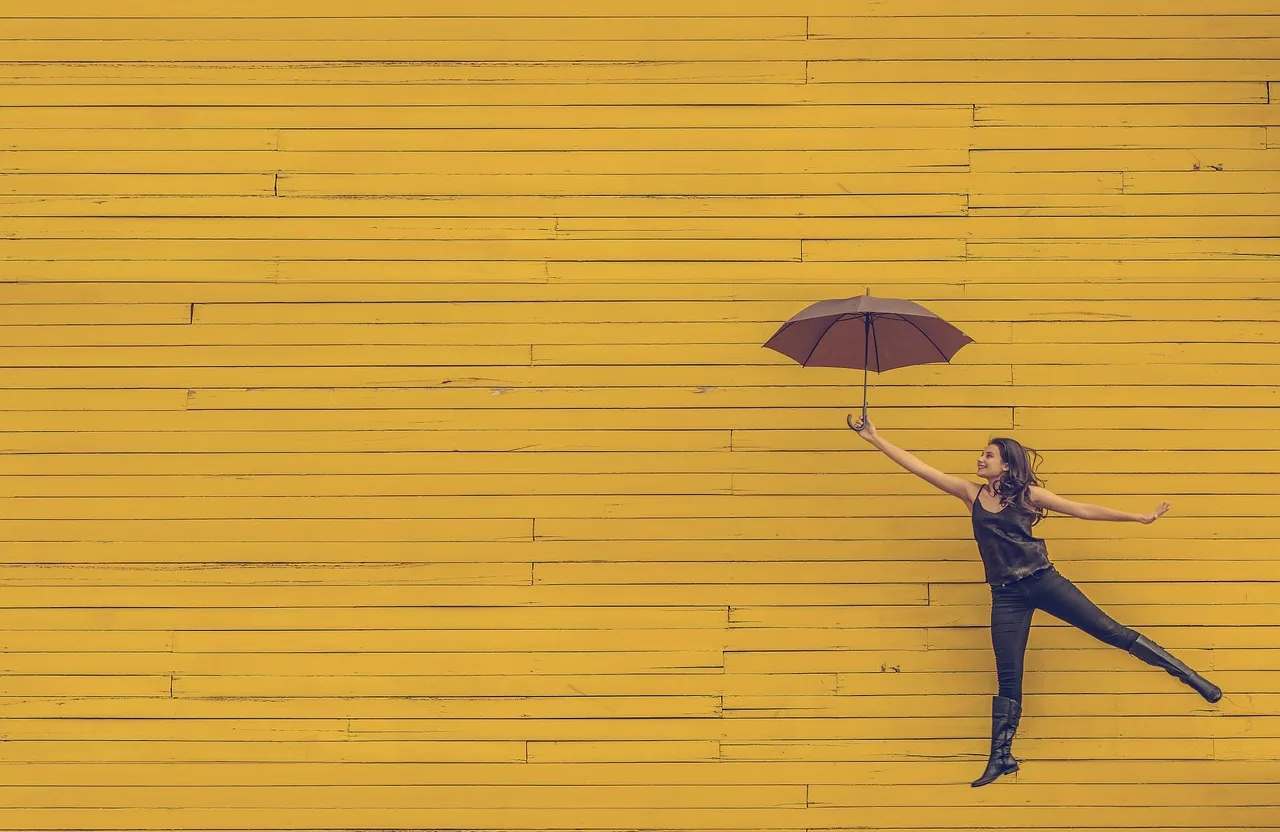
(867, 333)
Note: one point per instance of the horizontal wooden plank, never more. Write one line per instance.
(720, 397)
(264, 751)
(506, 640)
(712, 311)
(581, 8)
(1117, 136)
(601, 248)
(624, 729)
(788, 572)
(664, 441)
(452, 530)
(1132, 331)
(434, 574)
(550, 707)
(95, 400)
(978, 354)
(523, 281)
(577, 361)
(328, 686)
(855, 459)
(1067, 483)
(956, 547)
(286, 87)
(269, 46)
(330, 595)
(471, 356)
(446, 797)
(691, 336)
(744, 70)
(876, 233)
(637, 28)
(80, 314)
(107, 685)
(1194, 727)
(134, 184)
(945, 179)
(633, 662)
(667, 703)
(1213, 182)
(131, 479)
(585, 157)
(1167, 23)
(749, 528)
(1045, 772)
(555, 506)
(1143, 249)
(524, 27)
(848, 205)
(424, 250)
(376, 81)
(1128, 159)
(1071, 205)
(1032, 115)
(902, 275)
(1045, 71)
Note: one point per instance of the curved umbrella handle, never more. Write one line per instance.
(862, 422)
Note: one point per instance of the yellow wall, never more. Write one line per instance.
(388, 441)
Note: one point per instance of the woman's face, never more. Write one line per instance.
(990, 465)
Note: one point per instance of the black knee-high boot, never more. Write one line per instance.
(1153, 654)
(1005, 714)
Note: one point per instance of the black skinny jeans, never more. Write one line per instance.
(1012, 606)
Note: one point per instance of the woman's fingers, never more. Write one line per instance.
(1159, 512)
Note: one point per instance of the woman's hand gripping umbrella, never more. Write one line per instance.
(867, 333)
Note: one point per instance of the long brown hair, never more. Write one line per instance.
(1015, 486)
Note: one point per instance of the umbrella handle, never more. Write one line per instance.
(862, 422)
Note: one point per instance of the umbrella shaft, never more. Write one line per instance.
(866, 361)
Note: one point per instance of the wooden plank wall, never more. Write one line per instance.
(388, 441)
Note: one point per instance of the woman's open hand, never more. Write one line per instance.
(1147, 519)
(863, 428)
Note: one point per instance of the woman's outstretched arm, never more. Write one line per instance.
(955, 486)
(1045, 498)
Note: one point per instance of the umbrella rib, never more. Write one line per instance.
(818, 340)
(926, 335)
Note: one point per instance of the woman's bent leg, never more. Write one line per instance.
(1062, 599)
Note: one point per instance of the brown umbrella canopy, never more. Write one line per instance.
(867, 333)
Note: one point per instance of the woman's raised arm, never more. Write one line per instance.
(955, 486)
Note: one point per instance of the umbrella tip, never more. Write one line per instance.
(868, 290)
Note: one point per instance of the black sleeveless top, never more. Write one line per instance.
(1009, 550)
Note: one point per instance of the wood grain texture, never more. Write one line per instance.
(386, 440)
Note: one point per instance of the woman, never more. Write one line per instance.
(1023, 580)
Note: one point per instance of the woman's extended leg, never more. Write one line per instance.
(1062, 599)
(1010, 627)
